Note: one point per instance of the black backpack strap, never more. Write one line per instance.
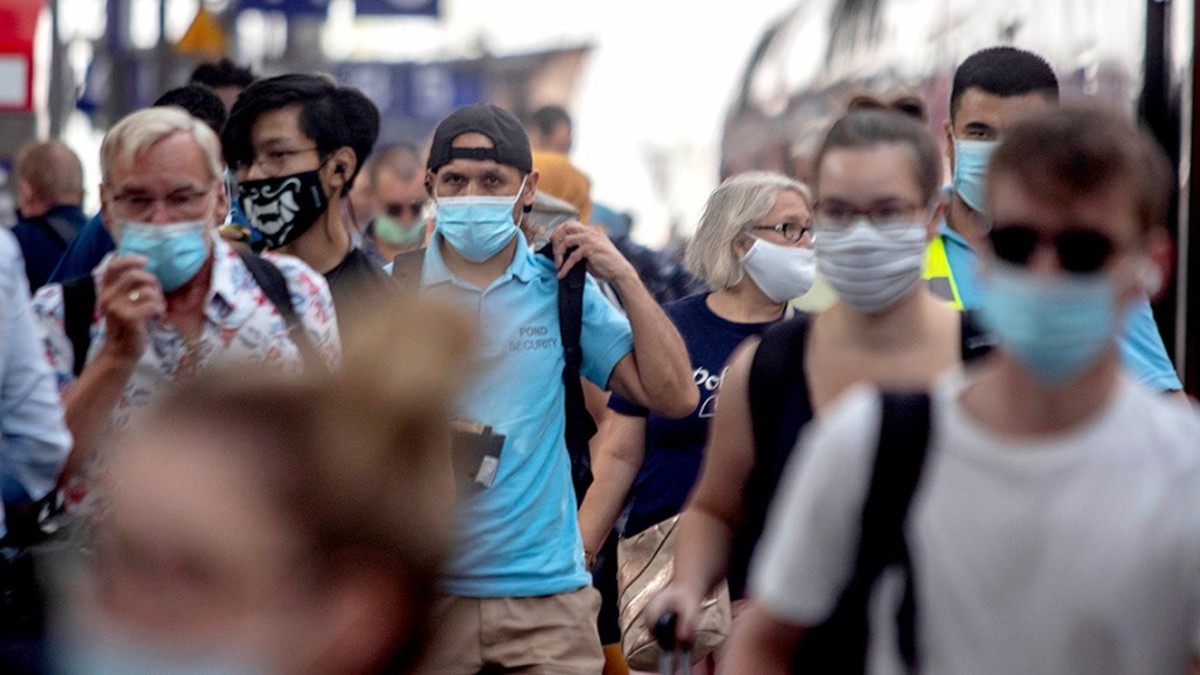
(579, 423)
(406, 270)
(778, 390)
(62, 228)
(840, 643)
(903, 442)
(779, 406)
(977, 342)
(79, 306)
(274, 286)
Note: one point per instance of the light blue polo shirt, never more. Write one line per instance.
(520, 537)
(1141, 345)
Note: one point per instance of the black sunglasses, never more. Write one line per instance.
(397, 210)
(1080, 250)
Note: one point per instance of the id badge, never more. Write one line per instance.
(476, 452)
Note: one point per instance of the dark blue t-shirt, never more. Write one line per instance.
(41, 245)
(674, 448)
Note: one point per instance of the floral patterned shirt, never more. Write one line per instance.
(241, 325)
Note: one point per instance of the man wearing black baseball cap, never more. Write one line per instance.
(517, 593)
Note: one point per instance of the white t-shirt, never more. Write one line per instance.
(1078, 553)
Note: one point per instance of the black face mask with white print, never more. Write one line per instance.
(284, 207)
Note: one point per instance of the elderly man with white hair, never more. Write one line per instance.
(174, 298)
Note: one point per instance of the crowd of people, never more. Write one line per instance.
(295, 401)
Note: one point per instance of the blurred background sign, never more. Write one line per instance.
(289, 7)
(18, 24)
(429, 8)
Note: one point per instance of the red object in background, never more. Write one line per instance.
(18, 22)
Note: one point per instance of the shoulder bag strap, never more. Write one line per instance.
(274, 286)
(79, 306)
(977, 342)
(580, 427)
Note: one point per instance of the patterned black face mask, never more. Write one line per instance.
(283, 208)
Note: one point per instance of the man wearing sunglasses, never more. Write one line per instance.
(993, 89)
(1055, 523)
(397, 198)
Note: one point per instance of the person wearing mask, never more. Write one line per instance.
(993, 89)
(516, 594)
(174, 298)
(49, 182)
(754, 244)
(1053, 525)
(95, 240)
(296, 143)
(395, 191)
(275, 520)
(877, 175)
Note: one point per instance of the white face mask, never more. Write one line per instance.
(780, 272)
(868, 269)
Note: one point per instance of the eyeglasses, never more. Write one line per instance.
(887, 217)
(138, 205)
(273, 161)
(398, 209)
(793, 232)
(1080, 249)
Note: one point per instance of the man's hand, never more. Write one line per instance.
(128, 297)
(604, 261)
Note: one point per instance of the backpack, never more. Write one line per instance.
(79, 306)
(779, 407)
(580, 427)
(839, 644)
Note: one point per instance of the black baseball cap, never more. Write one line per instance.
(511, 143)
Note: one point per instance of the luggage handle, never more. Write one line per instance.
(671, 659)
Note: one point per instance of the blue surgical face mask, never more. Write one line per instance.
(1056, 326)
(970, 171)
(477, 227)
(174, 252)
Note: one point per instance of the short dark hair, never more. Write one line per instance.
(402, 159)
(333, 116)
(1082, 150)
(867, 128)
(200, 102)
(547, 117)
(223, 73)
(1003, 71)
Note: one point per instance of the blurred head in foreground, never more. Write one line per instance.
(261, 525)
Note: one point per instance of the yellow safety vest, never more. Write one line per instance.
(938, 274)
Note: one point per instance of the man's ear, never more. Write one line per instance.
(24, 191)
(430, 177)
(106, 215)
(948, 133)
(341, 166)
(531, 182)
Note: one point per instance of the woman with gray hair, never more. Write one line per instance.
(754, 249)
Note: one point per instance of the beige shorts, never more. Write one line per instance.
(554, 635)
